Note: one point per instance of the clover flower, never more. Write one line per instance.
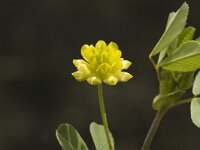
(102, 63)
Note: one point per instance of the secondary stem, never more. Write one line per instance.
(103, 115)
(185, 101)
(153, 129)
(157, 120)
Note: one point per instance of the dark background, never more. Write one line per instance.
(39, 39)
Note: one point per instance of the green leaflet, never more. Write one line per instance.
(69, 138)
(175, 25)
(99, 137)
(186, 35)
(172, 47)
(162, 55)
(168, 50)
(170, 17)
(186, 58)
(196, 86)
(195, 111)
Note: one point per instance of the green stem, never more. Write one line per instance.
(181, 102)
(153, 129)
(103, 115)
(158, 118)
(155, 67)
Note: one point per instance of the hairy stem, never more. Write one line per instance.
(103, 115)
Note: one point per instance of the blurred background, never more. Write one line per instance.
(39, 39)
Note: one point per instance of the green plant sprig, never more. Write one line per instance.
(178, 62)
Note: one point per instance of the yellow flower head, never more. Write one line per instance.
(102, 63)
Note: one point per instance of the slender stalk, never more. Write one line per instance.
(181, 102)
(155, 67)
(158, 118)
(153, 129)
(103, 115)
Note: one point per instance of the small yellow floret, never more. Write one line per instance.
(102, 63)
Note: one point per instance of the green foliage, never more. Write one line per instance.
(184, 59)
(195, 111)
(162, 55)
(186, 35)
(167, 82)
(171, 89)
(179, 59)
(161, 101)
(69, 138)
(175, 25)
(196, 86)
(197, 39)
(176, 48)
(99, 137)
(184, 80)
